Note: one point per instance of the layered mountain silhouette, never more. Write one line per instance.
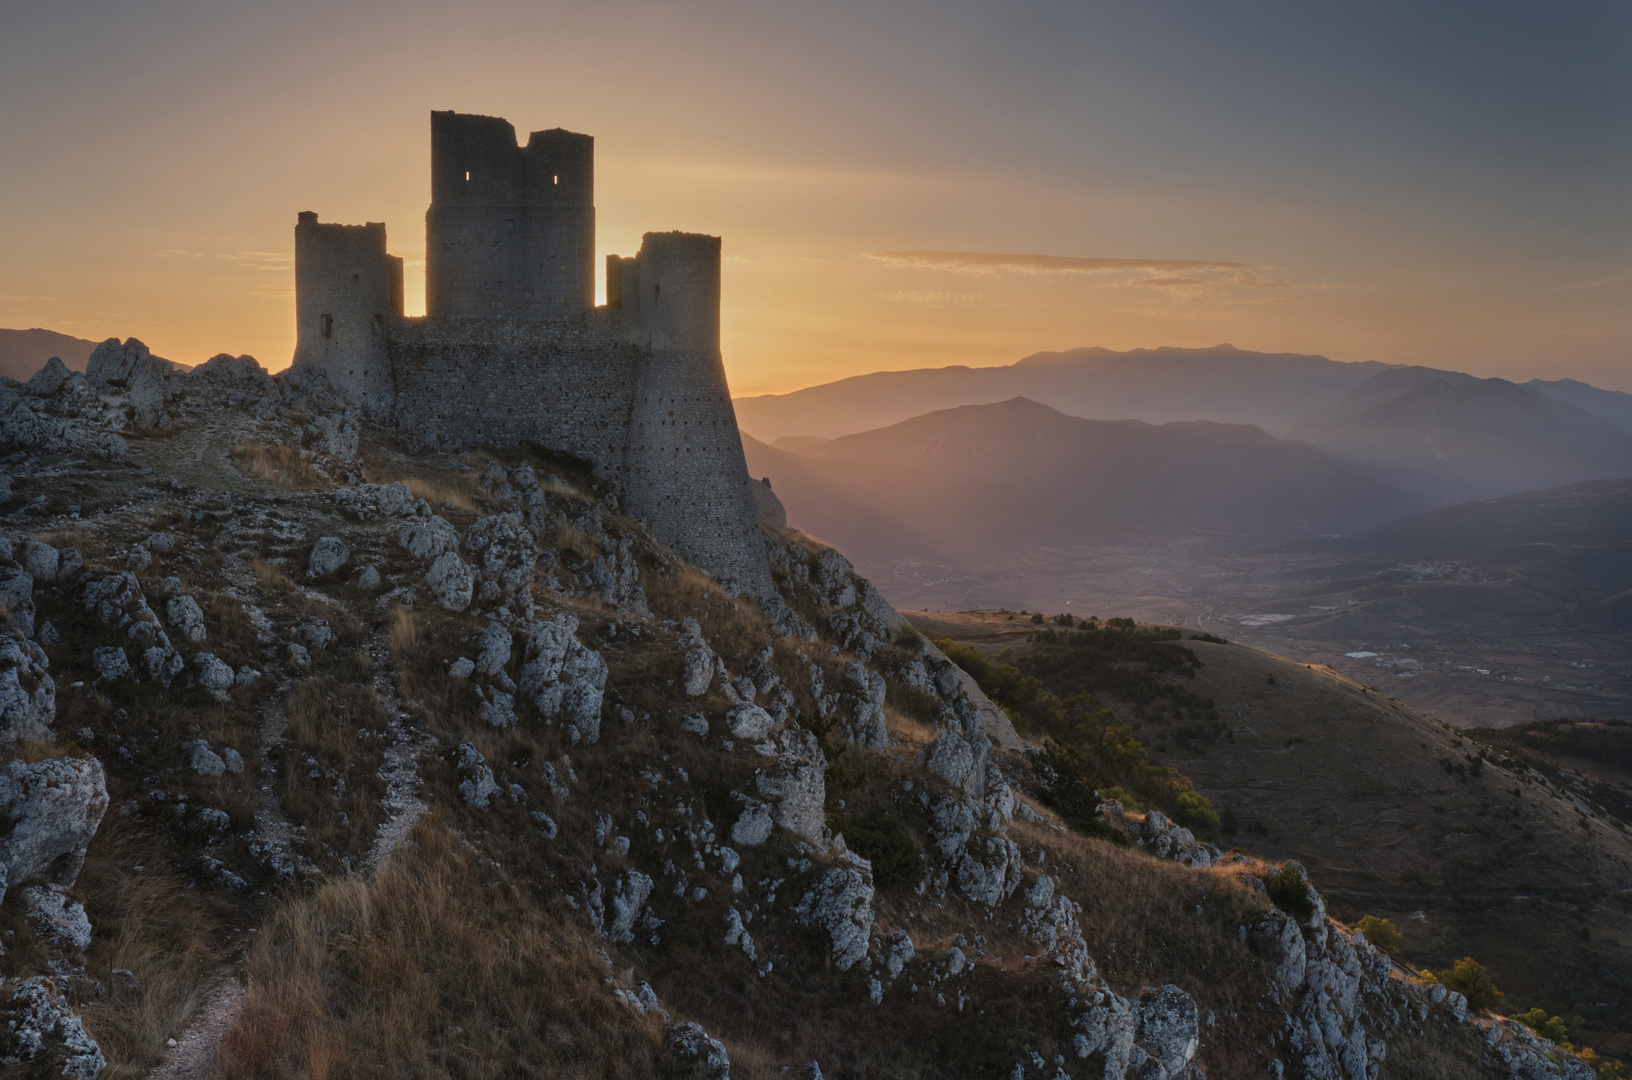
(1439, 436)
(1275, 391)
(980, 481)
(23, 352)
(1451, 437)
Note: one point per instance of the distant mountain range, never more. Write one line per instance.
(1439, 436)
(1449, 437)
(1275, 391)
(978, 482)
(23, 352)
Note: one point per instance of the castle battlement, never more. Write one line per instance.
(514, 351)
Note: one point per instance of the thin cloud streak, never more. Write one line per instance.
(984, 262)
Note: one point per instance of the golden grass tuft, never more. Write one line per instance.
(735, 628)
(404, 636)
(439, 966)
(437, 493)
(272, 579)
(571, 538)
(285, 466)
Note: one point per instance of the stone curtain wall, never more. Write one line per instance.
(658, 425)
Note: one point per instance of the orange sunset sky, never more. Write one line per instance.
(1388, 183)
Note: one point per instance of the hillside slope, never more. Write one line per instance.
(23, 352)
(1393, 813)
(325, 756)
(970, 483)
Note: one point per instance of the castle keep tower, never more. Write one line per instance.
(348, 296)
(511, 229)
(513, 351)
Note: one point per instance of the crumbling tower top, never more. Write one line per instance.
(511, 229)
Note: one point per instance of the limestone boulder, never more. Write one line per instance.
(692, 1047)
(840, 903)
(186, 618)
(1167, 1033)
(17, 597)
(478, 786)
(990, 871)
(28, 695)
(111, 662)
(561, 677)
(749, 722)
(451, 581)
(57, 919)
(39, 1029)
(753, 826)
(328, 555)
(40, 560)
(51, 808)
(426, 538)
(960, 761)
(215, 676)
(493, 649)
(628, 901)
(201, 759)
(796, 786)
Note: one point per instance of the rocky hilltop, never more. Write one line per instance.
(329, 755)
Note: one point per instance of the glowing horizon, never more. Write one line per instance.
(907, 186)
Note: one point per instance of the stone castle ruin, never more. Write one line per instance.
(513, 350)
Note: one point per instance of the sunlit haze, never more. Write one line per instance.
(898, 184)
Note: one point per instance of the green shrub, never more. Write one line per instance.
(920, 705)
(1469, 978)
(907, 637)
(1548, 1027)
(1380, 932)
(1289, 889)
(879, 838)
(1069, 787)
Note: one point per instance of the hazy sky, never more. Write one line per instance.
(1434, 182)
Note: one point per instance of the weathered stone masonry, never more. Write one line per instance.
(513, 351)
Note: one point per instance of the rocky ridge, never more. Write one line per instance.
(669, 770)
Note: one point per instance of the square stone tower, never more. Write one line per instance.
(511, 229)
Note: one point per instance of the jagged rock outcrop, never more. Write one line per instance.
(840, 903)
(690, 1045)
(563, 678)
(28, 695)
(144, 378)
(37, 1027)
(796, 787)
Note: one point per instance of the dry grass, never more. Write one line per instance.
(440, 966)
(150, 922)
(403, 636)
(580, 543)
(341, 728)
(734, 627)
(461, 495)
(283, 466)
(274, 582)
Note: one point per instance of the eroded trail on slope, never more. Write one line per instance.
(401, 768)
(193, 1056)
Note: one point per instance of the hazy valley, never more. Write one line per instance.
(1350, 535)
